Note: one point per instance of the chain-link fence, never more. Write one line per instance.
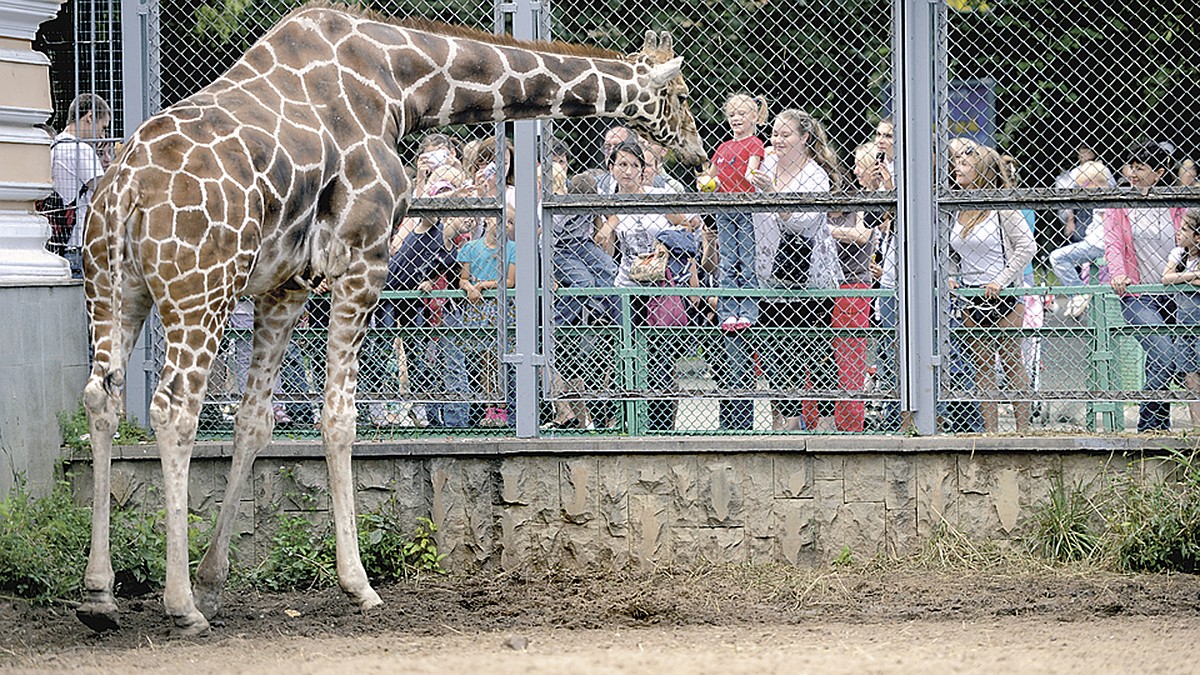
(774, 307)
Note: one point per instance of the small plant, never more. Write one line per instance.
(44, 545)
(845, 558)
(1155, 526)
(300, 558)
(1063, 531)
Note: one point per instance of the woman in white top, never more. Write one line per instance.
(631, 235)
(796, 250)
(992, 249)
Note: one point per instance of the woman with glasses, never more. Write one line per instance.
(991, 249)
(637, 236)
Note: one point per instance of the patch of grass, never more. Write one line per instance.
(1128, 521)
(1065, 524)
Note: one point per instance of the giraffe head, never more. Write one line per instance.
(660, 111)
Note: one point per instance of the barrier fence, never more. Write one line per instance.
(794, 301)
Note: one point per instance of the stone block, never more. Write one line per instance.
(937, 493)
(613, 495)
(900, 504)
(857, 525)
(721, 545)
(1000, 493)
(793, 476)
(715, 499)
(650, 541)
(793, 530)
(828, 467)
(465, 492)
(864, 478)
(579, 489)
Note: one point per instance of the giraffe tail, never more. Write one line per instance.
(112, 214)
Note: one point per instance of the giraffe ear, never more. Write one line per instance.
(664, 73)
(666, 44)
(651, 43)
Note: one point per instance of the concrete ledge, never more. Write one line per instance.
(453, 446)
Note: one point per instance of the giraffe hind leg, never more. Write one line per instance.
(101, 400)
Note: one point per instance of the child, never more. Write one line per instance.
(1183, 267)
(481, 270)
(732, 164)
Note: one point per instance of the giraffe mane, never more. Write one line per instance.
(450, 30)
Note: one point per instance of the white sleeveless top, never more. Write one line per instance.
(981, 253)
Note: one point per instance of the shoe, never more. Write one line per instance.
(494, 417)
(418, 416)
(281, 416)
(569, 423)
(742, 323)
(1077, 306)
(730, 324)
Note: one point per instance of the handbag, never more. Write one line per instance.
(792, 260)
(650, 268)
(666, 311)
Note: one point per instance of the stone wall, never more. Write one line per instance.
(617, 502)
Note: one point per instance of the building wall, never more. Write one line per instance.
(42, 374)
(640, 502)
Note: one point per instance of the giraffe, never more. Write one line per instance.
(279, 175)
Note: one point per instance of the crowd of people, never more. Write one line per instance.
(441, 352)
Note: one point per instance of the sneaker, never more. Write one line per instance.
(742, 323)
(1077, 306)
(419, 416)
(730, 324)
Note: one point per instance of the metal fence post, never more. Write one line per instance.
(915, 110)
(525, 166)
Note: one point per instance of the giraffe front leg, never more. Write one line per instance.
(99, 608)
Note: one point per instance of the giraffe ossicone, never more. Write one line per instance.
(283, 172)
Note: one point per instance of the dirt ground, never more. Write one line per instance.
(718, 620)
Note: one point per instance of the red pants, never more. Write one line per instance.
(850, 353)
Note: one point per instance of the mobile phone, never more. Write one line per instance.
(881, 157)
(437, 157)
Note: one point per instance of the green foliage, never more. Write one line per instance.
(300, 558)
(845, 558)
(44, 545)
(1133, 523)
(1064, 523)
(303, 556)
(74, 428)
(1155, 525)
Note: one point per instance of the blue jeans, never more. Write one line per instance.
(74, 258)
(736, 372)
(735, 242)
(580, 263)
(1153, 310)
(1065, 260)
(885, 363)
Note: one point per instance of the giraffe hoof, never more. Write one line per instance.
(370, 600)
(189, 626)
(100, 616)
(208, 602)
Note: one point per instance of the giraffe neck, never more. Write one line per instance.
(493, 83)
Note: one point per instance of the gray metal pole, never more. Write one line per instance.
(525, 165)
(915, 115)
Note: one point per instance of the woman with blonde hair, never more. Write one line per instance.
(797, 250)
(990, 249)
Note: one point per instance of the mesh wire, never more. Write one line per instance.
(1038, 82)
